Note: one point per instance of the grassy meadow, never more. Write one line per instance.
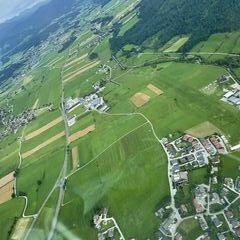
(117, 179)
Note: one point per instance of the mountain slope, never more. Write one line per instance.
(169, 18)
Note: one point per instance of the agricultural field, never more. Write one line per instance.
(175, 44)
(38, 174)
(112, 160)
(42, 226)
(10, 211)
(121, 163)
(218, 46)
(182, 104)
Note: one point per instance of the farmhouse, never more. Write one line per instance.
(203, 223)
(198, 206)
(221, 236)
(94, 102)
(180, 178)
(217, 222)
(168, 224)
(71, 121)
(71, 104)
(232, 97)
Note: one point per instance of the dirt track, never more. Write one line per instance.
(81, 70)
(44, 128)
(139, 99)
(81, 133)
(42, 145)
(154, 89)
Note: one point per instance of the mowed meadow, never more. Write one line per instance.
(182, 105)
(120, 163)
(129, 177)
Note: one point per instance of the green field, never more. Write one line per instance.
(219, 43)
(176, 45)
(129, 23)
(9, 155)
(44, 136)
(44, 80)
(182, 105)
(122, 165)
(38, 175)
(116, 174)
(230, 165)
(42, 226)
(9, 212)
(190, 229)
(41, 120)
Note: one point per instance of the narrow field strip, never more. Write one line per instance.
(55, 61)
(6, 187)
(154, 89)
(77, 70)
(75, 158)
(20, 228)
(83, 69)
(96, 157)
(72, 66)
(44, 144)
(44, 128)
(81, 133)
(75, 60)
(6, 192)
(6, 179)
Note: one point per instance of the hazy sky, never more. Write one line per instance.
(11, 8)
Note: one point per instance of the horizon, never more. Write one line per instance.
(14, 8)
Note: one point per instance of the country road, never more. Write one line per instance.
(64, 169)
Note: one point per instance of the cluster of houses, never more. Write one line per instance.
(212, 204)
(188, 152)
(233, 221)
(12, 123)
(200, 200)
(106, 226)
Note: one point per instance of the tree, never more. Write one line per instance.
(93, 56)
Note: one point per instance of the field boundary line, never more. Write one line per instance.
(43, 129)
(136, 128)
(43, 145)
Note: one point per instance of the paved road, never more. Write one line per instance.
(62, 178)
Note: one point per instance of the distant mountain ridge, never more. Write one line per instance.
(24, 32)
(168, 18)
(18, 8)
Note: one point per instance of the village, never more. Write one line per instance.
(213, 203)
(12, 123)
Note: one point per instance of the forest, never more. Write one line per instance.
(168, 18)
